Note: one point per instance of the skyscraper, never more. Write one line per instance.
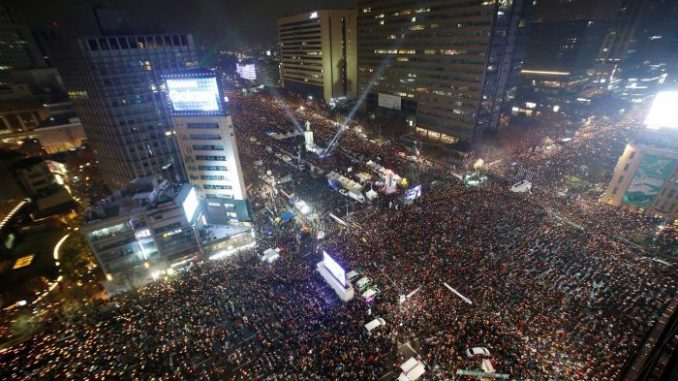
(645, 54)
(318, 53)
(207, 141)
(564, 40)
(18, 49)
(447, 65)
(115, 86)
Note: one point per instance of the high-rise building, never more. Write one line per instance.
(448, 66)
(115, 86)
(206, 137)
(18, 49)
(643, 49)
(564, 41)
(319, 53)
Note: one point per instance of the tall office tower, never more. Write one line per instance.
(564, 40)
(448, 65)
(620, 35)
(208, 146)
(18, 49)
(319, 52)
(649, 59)
(115, 86)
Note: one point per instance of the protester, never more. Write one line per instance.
(550, 300)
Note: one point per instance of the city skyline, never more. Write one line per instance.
(216, 24)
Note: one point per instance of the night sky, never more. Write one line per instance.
(214, 23)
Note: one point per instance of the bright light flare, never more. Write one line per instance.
(663, 113)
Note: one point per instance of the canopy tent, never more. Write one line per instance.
(287, 216)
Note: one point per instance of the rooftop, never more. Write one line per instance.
(141, 194)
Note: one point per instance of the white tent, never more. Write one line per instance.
(270, 255)
(412, 370)
(371, 194)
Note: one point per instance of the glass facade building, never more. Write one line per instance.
(448, 66)
(18, 49)
(115, 85)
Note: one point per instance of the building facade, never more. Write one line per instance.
(646, 180)
(115, 85)
(268, 72)
(18, 49)
(140, 232)
(318, 53)
(448, 66)
(11, 196)
(53, 138)
(206, 137)
(42, 186)
(644, 58)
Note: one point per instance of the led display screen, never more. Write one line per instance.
(190, 205)
(199, 95)
(334, 268)
(246, 71)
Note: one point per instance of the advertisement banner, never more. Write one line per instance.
(648, 180)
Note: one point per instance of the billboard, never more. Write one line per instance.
(648, 180)
(190, 205)
(246, 71)
(334, 268)
(389, 101)
(662, 113)
(194, 95)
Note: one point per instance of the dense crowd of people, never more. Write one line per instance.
(549, 300)
(588, 157)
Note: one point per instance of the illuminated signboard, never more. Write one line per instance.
(648, 180)
(190, 205)
(334, 268)
(194, 95)
(246, 71)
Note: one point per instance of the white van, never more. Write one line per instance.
(374, 324)
(370, 293)
(363, 282)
